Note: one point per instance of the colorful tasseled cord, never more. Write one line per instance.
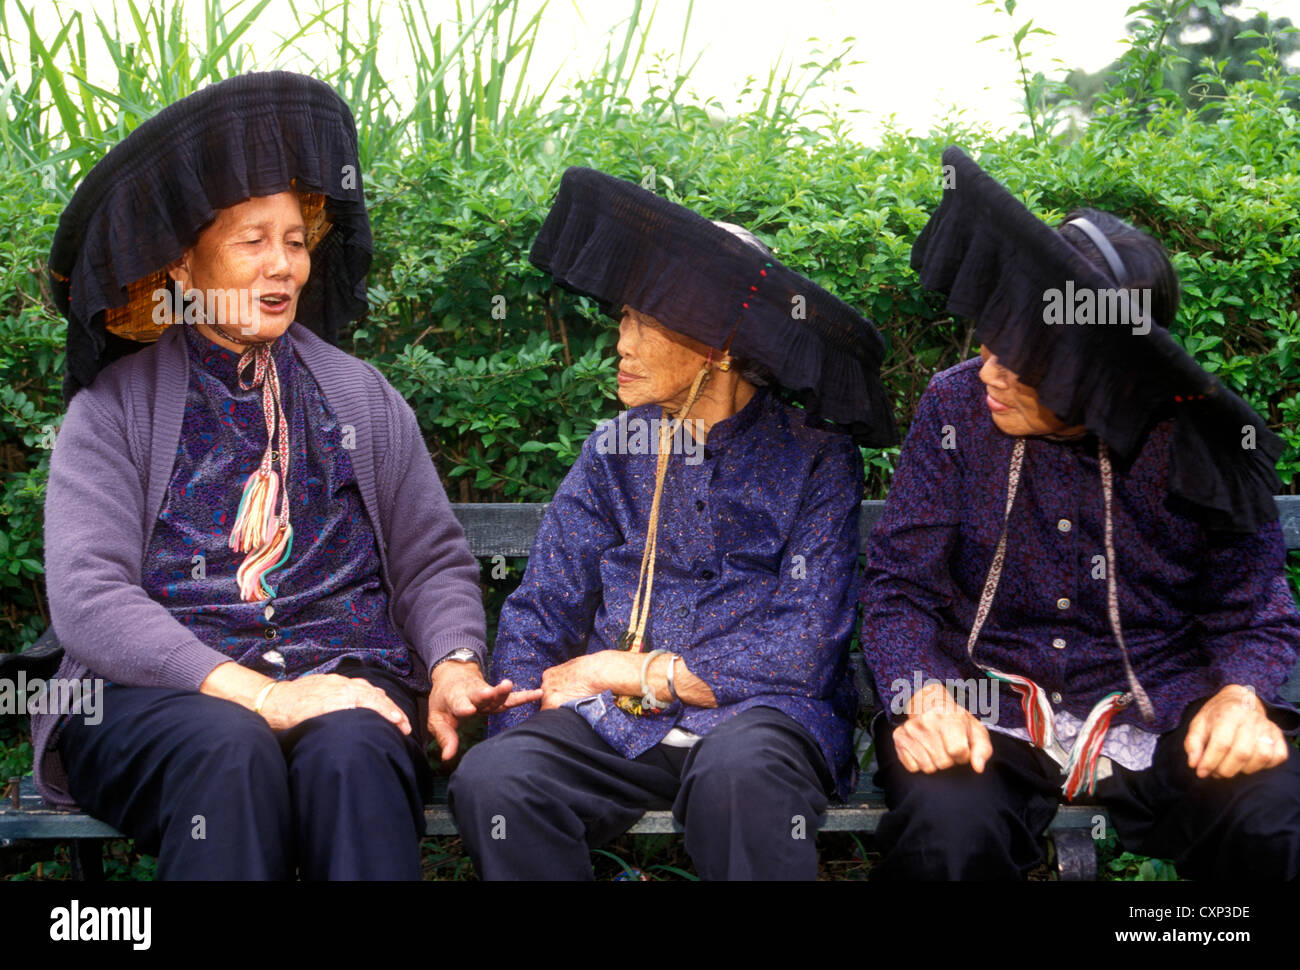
(262, 528)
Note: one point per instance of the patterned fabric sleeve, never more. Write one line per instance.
(1251, 630)
(907, 580)
(436, 598)
(94, 537)
(548, 618)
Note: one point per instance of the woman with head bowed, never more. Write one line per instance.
(1077, 587)
(247, 543)
(689, 599)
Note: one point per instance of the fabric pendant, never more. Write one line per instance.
(262, 529)
(1081, 769)
(629, 704)
(1033, 702)
(628, 641)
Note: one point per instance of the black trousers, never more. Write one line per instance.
(957, 824)
(209, 788)
(531, 802)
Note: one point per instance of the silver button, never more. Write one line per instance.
(1056, 697)
(1058, 643)
(1063, 525)
(1063, 603)
(269, 611)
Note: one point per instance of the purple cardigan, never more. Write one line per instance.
(108, 476)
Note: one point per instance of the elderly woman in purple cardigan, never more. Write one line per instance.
(246, 538)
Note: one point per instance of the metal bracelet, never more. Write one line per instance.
(648, 698)
(262, 695)
(672, 686)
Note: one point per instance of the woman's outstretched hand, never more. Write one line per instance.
(458, 692)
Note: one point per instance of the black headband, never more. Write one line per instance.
(1104, 246)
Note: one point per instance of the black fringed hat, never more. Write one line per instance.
(998, 263)
(614, 241)
(150, 196)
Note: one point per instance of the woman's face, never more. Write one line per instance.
(1014, 406)
(250, 266)
(656, 365)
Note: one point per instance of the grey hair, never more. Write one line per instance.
(749, 370)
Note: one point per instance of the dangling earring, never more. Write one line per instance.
(725, 363)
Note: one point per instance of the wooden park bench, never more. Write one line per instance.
(508, 530)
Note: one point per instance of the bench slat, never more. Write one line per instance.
(862, 813)
(508, 528)
(500, 528)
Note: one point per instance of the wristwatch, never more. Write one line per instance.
(460, 653)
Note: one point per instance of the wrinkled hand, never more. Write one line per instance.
(589, 674)
(1233, 735)
(939, 734)
(291, 702)
(459, 691)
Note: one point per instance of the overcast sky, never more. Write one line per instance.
(920, 57)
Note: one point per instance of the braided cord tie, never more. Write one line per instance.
(635, 637)
(1136, 692)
